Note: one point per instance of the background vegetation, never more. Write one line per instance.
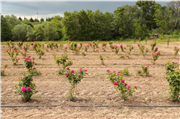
(127, 22)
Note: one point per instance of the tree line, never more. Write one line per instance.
(130, 21)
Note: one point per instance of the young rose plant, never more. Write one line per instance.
(74, 77)
(122, 49)
(26, 47)
(145, 69)
(110, 43)
(3, 70)
(155, 56)
(39, 52)
(83, 53)
(64, 60)
(97, 50)
(80, 45)
(86, 47)
(147, 50)
(102, 59)
(153, 46)
(26, 88)
(13, 53)
(104, 45)
(130, 48)
(124, 56)
(10, 44)
(29, 63)
(24, 54)
(173, 77)
(116, 50)
(123, 88)
(156, 49)
(141, 48)
(77, 50)
(139, 72)
(104, 49)
(124, 72)
(176, 51)
(20, 44)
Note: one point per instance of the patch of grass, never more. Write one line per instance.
(144, 111)
(100, 75)
(107, 57)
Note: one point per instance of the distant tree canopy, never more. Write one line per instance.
(129, 21)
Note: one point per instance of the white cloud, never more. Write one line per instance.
(39, 16)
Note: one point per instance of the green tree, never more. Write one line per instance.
(12, 20)
(20, 32)
(174, 6)
(31, 19)
(119, 19)
(42, 20)
(50, 31)
(20, 18)
(163, 17)
(140, 29)
(57, 23)
(148, 12)
(6, 33)
(36, 20)
(39, 32)
(72, 26)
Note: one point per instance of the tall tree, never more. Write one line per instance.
(36, 20)
(49, 31)
(163, 17)
(20, 32)
(31, 19)
(148, 12)
(72, 26)
(20, 18)
(174, 6)
(12, 20)
(6, 33)
(42, 20)
(120, 19)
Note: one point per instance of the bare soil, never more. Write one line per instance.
(94, 90)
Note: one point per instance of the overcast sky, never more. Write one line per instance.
(47, 8)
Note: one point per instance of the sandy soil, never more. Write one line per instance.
(94, 90)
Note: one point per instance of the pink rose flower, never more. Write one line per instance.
(23, 89)
(118, 74)
(122, 80)
(135, 86)
(28, 88)
(115, 83)
(85, 69)
(79, 75)
(128, 87)
(29, 56)
(72, 71)
(22, 79)
(2, 70)
(107, 70)
(80, 70)
(66, 74)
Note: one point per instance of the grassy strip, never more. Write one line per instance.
(114, 41)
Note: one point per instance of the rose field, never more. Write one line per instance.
(96, 95)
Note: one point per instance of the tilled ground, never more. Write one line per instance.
(94, 90)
